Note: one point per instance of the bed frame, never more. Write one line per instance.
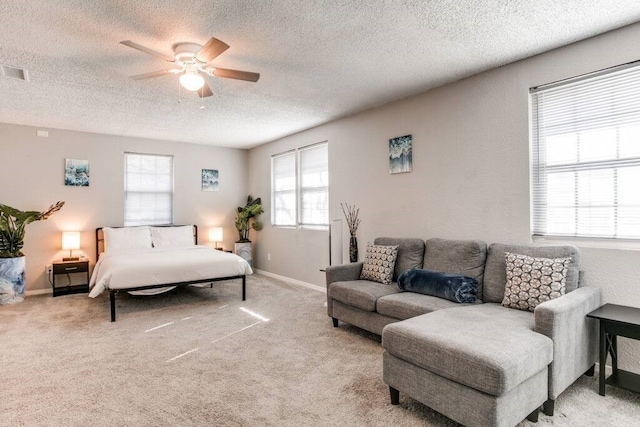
(112, 293)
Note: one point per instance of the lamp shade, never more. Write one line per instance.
(70, 240)
(215, 234)
(191, 81)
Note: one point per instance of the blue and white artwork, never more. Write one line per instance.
(76, 172)
(209, 180)
(400, 159)
(11, 280)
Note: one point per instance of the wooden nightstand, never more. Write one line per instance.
(64, 273)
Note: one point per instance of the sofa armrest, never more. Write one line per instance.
(343, 273)
(574, 336)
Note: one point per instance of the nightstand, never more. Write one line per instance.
(67, 272)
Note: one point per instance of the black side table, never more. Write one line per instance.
(623, 321)
(67, 268)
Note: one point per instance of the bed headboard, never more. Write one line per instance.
(100, 236)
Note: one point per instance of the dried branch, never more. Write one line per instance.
(351, 214)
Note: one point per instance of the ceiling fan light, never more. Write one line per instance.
(192, 81)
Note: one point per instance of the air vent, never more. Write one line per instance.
(14, 73)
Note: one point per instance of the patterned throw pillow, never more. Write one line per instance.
(532, 281)
(379, 262)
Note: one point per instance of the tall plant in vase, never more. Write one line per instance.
(351, 214)
(12, 260)
(246, 221)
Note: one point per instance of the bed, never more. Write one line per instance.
(153, 259)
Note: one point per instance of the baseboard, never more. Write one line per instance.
(37, 292)
(290, 280)
(607, 369)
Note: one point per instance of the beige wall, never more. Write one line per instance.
(470, 174)
(31, 178)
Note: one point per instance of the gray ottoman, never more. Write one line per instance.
(480, 366)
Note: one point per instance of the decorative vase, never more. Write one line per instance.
(11, 280)
(353, 249)
(243, 250)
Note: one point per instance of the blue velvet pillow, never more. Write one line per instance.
(454, 287)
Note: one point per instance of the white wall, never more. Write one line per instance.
(32, 178)
(470, 174)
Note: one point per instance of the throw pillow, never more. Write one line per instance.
(379, 262)
(454, 287)
(532, 281)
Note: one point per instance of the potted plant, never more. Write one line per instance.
(245, 221)
(12, 260)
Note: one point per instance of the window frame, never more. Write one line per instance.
(542, 168)
(127, 222)
(297, 153)
(274, 192)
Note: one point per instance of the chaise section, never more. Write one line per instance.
(461, 403)
(487, 352)
(486, 347)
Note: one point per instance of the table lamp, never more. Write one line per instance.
(215, 235)
(70, 241)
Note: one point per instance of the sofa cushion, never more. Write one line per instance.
(410, 253)
(408, 304)
(362, 294)
(379, 263)
(466, 257)
(495, 273)
(533, 280)
(487, 347)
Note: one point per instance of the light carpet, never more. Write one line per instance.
(196, 357)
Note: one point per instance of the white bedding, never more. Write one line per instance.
(143, 267)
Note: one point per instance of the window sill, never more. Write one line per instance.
(585, 242)
(303, 227)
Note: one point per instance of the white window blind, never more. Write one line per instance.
(148, 189)
(586, 156)
(314, 186)
(283, 189)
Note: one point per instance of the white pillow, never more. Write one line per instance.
(116, 239)
(171, 237)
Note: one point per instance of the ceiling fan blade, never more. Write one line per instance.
(147, 50)
(205, 91)
(236, 74)
(153, 74)
(211, 50)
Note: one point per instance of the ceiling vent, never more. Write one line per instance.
(13, 72)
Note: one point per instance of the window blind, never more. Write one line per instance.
(314, 185)
(148, 189)
(283, 185)
(586, 156)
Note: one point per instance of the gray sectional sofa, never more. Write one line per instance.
(479, 364)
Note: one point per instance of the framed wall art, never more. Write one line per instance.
(209, 180)
(400, 156)
(76, 172)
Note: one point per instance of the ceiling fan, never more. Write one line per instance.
(191, 61)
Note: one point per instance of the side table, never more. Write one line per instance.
(616, 320)
(67, 268)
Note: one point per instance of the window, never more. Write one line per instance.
(300, 187)
(148, 189)
(586, 156)
(283, 189)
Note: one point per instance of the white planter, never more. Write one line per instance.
(243, 250)
(11, 280)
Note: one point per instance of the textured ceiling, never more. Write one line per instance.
(319, 60)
